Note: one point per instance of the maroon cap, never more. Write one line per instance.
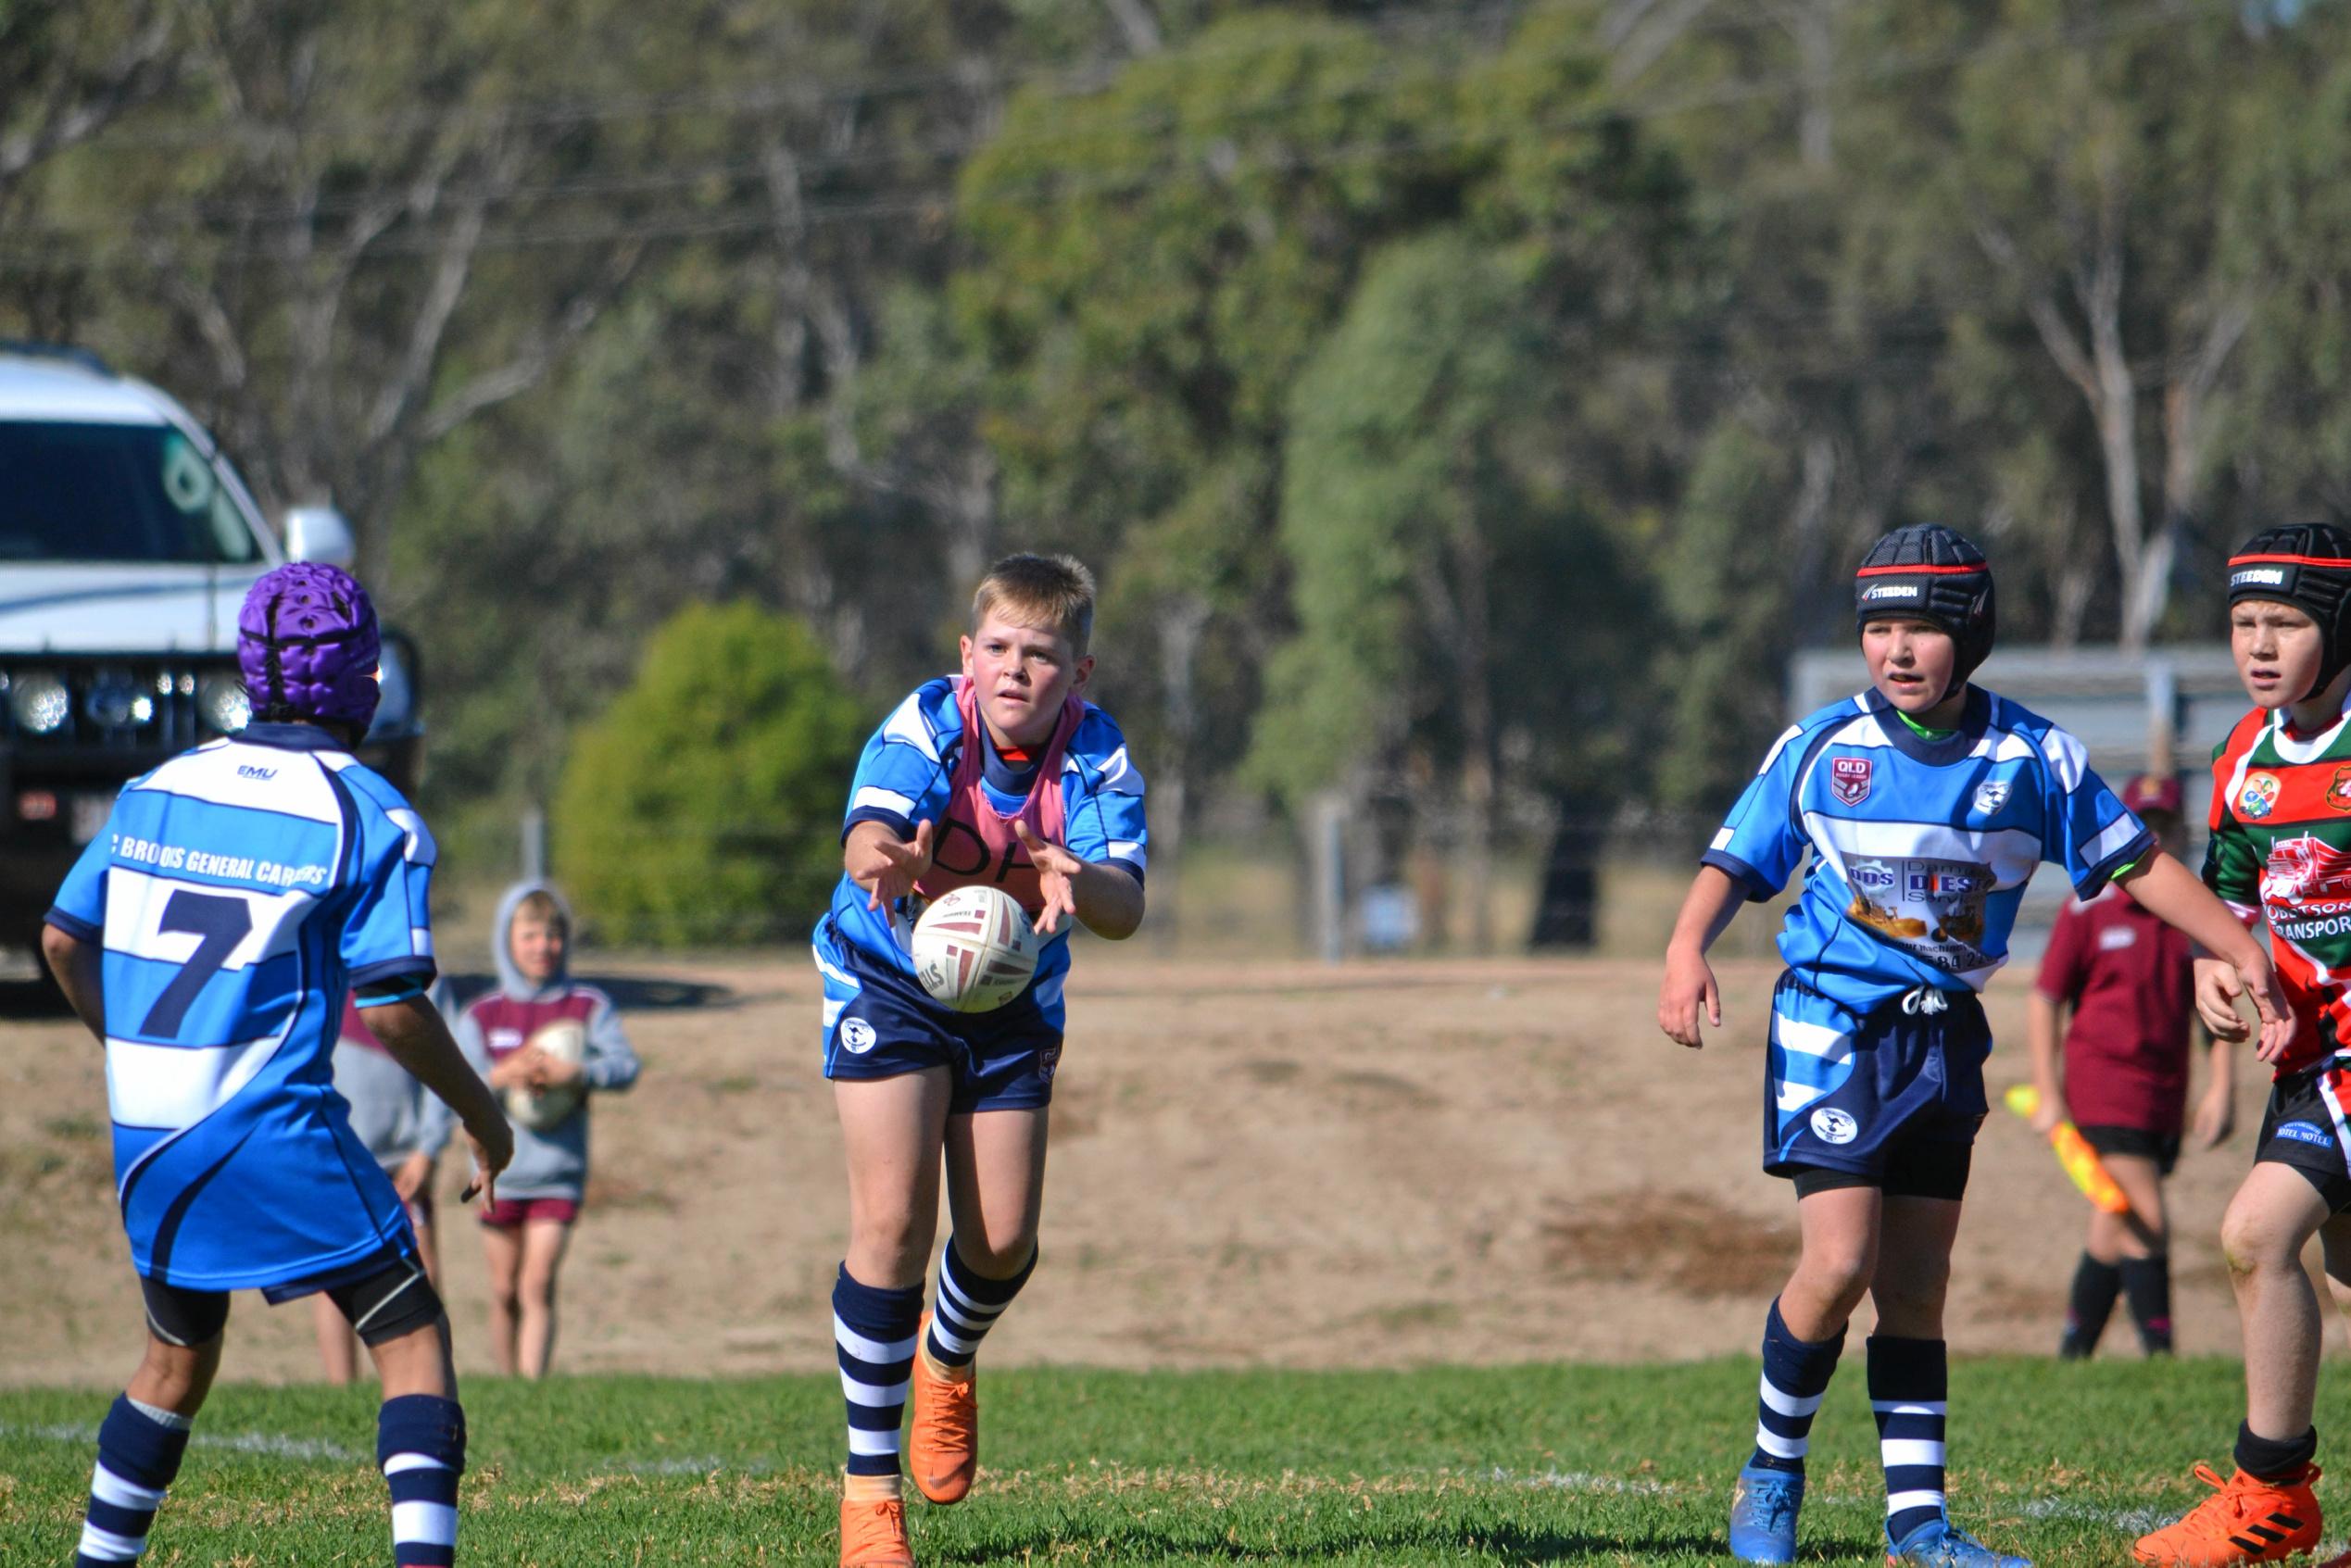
(2152, 792)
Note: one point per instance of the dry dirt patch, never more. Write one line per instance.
(1265, 1164)
(1679, 1240)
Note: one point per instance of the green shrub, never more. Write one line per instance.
(705, 805)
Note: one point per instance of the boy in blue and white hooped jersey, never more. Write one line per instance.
(207, 937)
(1003, 777)
(1926, 804)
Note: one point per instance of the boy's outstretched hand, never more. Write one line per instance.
(2220, 983)
(886, 866)
(1056, 872)
(1690, 987)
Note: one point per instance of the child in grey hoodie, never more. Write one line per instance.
(526, 1230)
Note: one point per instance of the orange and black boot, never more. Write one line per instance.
(2247, 1519)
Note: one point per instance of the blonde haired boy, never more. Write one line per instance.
(1001, 775)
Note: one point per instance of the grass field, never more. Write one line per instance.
(1552, 1463)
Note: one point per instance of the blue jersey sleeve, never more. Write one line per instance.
(1102, 798)
(388, 935)
(2088, 833)
(901, 778)
(81, 907)
(1761, 843)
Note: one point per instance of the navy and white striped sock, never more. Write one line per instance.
(1910, 1390)
(1795, 1375)
(139, 1452)
(968, 1306)
(875, 1333)
(419, 1446)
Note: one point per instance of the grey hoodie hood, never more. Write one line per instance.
(511, 979)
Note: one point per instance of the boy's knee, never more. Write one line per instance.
(997, 1255)
(2252, 1242)
(1911, 1305)
(1839, 1269)
(893, 1234)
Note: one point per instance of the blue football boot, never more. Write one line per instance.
(1763, 1506)
(1941, 1544)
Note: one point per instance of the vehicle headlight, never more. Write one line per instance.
(397, 704)
(222, 701)
(40, 701)
(113, 701)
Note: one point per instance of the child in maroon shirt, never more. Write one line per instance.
(2130, 979)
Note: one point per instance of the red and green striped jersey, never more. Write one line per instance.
(2280, 848)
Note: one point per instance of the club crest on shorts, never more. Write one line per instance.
(1831, 1125)
(857, 1036)
(1849, 779)
(2259, 796)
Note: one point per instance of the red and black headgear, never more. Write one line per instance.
(2307, 565)
(1931, 574)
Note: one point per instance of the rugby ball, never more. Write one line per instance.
(975, 949)
(538, 1109)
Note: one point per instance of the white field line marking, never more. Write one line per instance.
(274, 1445)
(2129, 1521)
(691, 1464)
(1577, 1481)
(278, 1445)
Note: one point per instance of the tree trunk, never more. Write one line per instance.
(1183, 619)
(1814, 26)
(1568, 907)
(1479, 745)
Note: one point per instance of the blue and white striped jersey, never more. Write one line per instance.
(240, 891)
(903, 779)
(1920, 848)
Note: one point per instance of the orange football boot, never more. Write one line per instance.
(2246, 1520)
(873, 1528)
(942, 1446)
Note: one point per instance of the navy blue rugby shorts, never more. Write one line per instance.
(1890, 1099)
(879, 1023)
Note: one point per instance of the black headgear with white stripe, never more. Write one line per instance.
(2307, 565)
(1933, 573)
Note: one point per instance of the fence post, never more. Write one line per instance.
(2163, 714)
(533, 845)
(1326, 858)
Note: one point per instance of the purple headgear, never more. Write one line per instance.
(307, 641)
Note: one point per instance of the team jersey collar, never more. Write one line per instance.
(1975, 718)
(2301, 749)
(289, 737)
(1004, 775)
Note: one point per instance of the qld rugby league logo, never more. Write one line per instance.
(2259, 796)
(1849, 779)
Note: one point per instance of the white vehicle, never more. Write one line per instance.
(127, 543)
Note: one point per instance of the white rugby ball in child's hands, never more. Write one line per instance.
(975, 949)
(563, 1040)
